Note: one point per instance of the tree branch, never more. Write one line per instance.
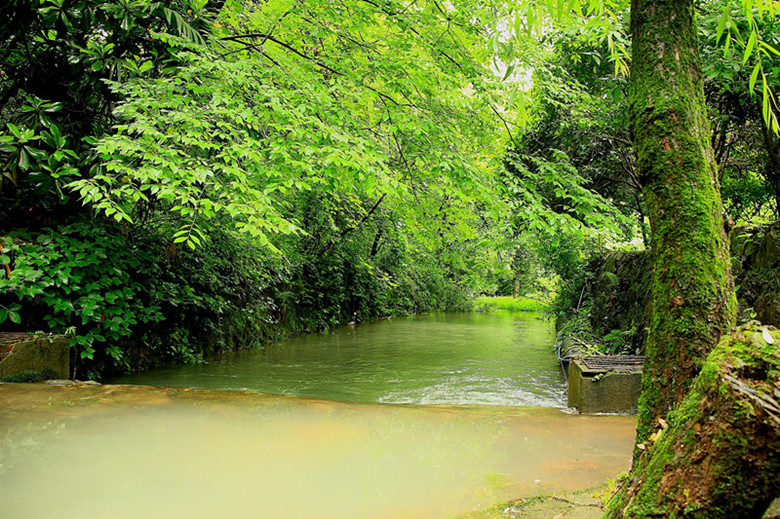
(506, 125)
(348, 230)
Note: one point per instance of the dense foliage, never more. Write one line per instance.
(185, 177)
(247, 172)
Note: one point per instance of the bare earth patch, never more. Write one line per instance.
(584, 504)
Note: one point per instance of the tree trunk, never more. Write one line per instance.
(693, 294)
(719, 455)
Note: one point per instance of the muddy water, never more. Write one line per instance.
(327, 430)
(147, 452)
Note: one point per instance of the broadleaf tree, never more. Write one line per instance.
(693, 294)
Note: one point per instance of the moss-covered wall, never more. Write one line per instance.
(618, 295)
(620, 292)
(756, 266)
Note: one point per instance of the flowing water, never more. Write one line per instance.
(156, 452)
(445, 358)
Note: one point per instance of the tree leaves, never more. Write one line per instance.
(352, 103)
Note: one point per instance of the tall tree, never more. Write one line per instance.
(720, 434)
(693, 294)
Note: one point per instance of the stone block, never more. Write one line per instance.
(35, 353)
(605, 384)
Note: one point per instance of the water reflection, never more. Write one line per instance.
(132, 452)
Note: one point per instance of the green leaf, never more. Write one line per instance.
(724, 19)
(765, 104)
(24, 160)
(749, 47)
(509, 70)
(767, 48)
(15, 130)
(754, 76)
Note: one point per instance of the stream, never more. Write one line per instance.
(317, 427)
(442, 358)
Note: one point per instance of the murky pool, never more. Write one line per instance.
(147, 452)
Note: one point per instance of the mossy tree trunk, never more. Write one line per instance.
(693, 295)
(719, 455)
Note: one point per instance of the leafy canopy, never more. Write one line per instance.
(348, 97)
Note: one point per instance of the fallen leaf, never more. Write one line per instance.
(768, 336)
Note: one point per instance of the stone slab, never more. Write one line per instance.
(613, 388)
(36, 353)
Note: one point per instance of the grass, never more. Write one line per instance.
(512, 304)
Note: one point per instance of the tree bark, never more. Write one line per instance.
(719, 455)
(693, 294)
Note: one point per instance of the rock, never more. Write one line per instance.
(47, 355)
(61, 382)
(767, 308)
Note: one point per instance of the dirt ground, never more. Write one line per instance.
(584, 504)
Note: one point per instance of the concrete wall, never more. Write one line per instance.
(594, 391)
(48, 354)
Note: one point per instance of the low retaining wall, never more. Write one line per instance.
(46, 355)
(605, 384)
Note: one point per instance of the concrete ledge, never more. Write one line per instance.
(605, 384)
(42, 353)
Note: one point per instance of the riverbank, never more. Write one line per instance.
(583, 504)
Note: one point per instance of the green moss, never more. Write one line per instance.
(693, 296)
(747, 355)
(30, 376)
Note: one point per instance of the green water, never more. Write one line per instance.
(347, 446)
(444, 358)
